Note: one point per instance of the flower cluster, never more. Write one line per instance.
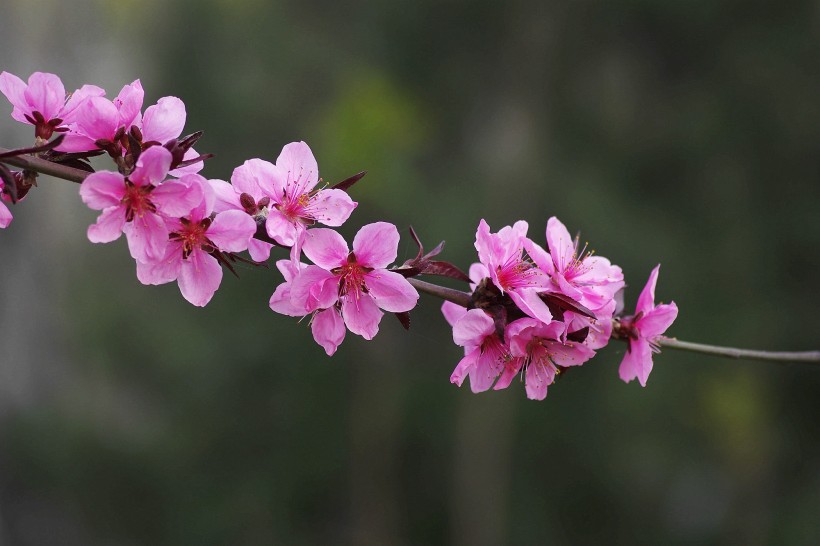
(537, 312)
(531, 311)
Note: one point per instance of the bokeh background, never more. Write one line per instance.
(684, 133)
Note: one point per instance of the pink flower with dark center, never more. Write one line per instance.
(134, 205)
(42, 101)
(643, 330)
(101, 123)
(538, 352)
(502, 254)
(327, 325)
(357, 280)
(295, 203)
(590, 280)
(485, 355)
(192, 241)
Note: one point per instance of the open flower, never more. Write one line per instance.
(484, 353)
(327, 325)
(5, 213)
(42, 101)
(590, 280)
(134, 205)
(538, 351)
(192, 242)
(357, 280)
(502, 254)
(643, 330)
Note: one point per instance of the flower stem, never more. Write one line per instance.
(456, 296)
(731, 352)
(36, 164)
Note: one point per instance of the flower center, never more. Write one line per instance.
(137, 200)
(351, 277)
(192, 235)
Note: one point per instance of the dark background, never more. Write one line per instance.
(684, 133)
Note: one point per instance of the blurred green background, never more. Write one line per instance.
(684, 133)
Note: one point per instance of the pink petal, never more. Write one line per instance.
(472, 328)
(108, 227)
(326, 248)
(147, 237)
(296, 161)
(76, 100)
(102, 189)
(226, 196)
(76, 143)
(391, 291)
(658, 320)
(97, 118)
(289, 269)
(637, 362)
(231, 230)
(259, 250)
(314, 288)
(45, 94)
(281, 302)
(540, 257)
(14, 89)
(206, 206)
(464, 366)
(537, 378)
(646, 301)
(560, 244)
(569, 354)
(282, 229)
(164, 120)
(176, 198)
(511, 369)
(5, 216)
(527, 300)
(199, 277)
(128, 104)
(164, 270)
(376, 245)
(452, 312)
(152, 167)
(256, 178)
(484, 243)
(331, 207)
(328, 330)
(361, 314)
(488, 367)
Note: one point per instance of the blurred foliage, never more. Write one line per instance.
(680, 133)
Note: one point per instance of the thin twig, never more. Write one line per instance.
(456, 296)
(731, 352)
(36, 164)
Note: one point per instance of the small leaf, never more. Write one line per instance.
(345, 184)
(404, 318)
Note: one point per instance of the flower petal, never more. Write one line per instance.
(97, 118)
(14, 89)
(361, 315)
(376, 245)
(658, 320)
(325, 247)
(76, 100)
(128, 104)
(328, 329)
(297, 163)
(528, 300)
(164, 120)
(282, 229)
(102, 190)
(646, 301)
(147, 237)
(452, 312)
(152, 167)
(464, 366)
(199, 277)
(391, 291)
(231, 230)
(314, 288)
(164, 270)
(560, 244)
(538, 377)
(108, 227)
(472, 328)
(176, 198)
(45, 94)
(259, 250)
(257, 177)
(637, 362)
(331, 207)
(5, 216)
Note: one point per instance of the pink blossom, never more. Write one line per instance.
(192, 242)
(295, 204)
(484, 353)
(327, 325)
(134, 205)
(643, 331)
(502, 254)
(42, 101)
(357, 280)
(538, 351)
(98, 119)
(590, 280)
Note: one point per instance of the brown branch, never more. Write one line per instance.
(36, 164)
